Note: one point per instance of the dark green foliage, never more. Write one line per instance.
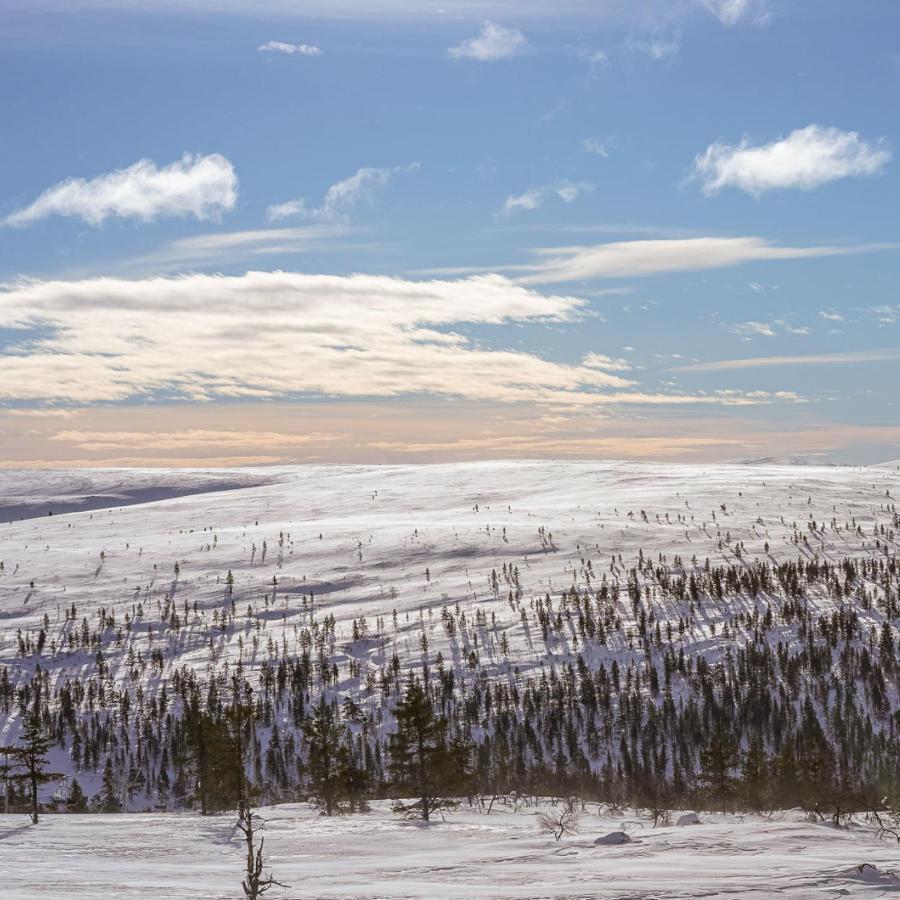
(423, 762)
(28, 760)
(76, 799)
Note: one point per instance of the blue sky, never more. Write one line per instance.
(660, 229)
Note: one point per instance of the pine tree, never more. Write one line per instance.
(421, 762)
(109, 799)
(212, 746)
(76, 800)
(28, 760)
(755, 775)
(717, 762)
(328, 757)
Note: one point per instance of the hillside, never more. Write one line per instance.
(611, 629)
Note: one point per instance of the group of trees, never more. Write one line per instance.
(751, 682)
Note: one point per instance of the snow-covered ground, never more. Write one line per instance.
(470, 855)
(365, 541)
(368, 540)
(416, 541)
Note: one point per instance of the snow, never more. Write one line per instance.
(470, 855)
(368, 541)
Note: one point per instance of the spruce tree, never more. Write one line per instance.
(76, 799)
(329, 762)
(718, 759)
(422, 763)
(28, 760)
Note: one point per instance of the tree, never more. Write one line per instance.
(76, 799)
(755, 776)
(329, 761)
(255, 884)
(212, 747)
(561, 821)
(28, 760)
(718, 760)
(422, 763)
(109, 800)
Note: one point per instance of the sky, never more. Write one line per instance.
(273, 231)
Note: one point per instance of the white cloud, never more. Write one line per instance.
(597, 146)
(187, 438)
(627, 259)
(763, 329)
(493, 43)
(203, 249)
(198, 186)
(341, 197)
(806, 158)
(288, 335)
(812, 359)
(831, 316)
(535, 197)
(601, 361)
(278, 335)
(730, 12)
(751, 329)
(595, 59)
(290, 49)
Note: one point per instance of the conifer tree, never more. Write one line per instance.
(422, 763)
(76, 799)
(718, 759)
(28, 760)
(328, 762)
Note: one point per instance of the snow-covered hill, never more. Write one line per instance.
(656, 582)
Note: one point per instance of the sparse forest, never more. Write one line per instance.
(708, 648)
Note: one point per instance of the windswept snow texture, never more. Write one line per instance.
(502, 855)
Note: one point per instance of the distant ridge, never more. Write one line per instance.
(788, 461)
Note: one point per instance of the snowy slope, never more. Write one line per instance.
(365, 541)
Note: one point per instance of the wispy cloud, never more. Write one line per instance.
(626, 259)
(763, 329)
(596, 59)
(657, 48)
(731, 12)
(812, 359)
(205, 249)
(535, 197)
(807, 158)
(187, 438)
(290, 49)
(199, 186)
(598, 146)
(753, 329)
(341, 197)
(493, 43)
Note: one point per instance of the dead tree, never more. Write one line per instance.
(560, 822)
(254, 883)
